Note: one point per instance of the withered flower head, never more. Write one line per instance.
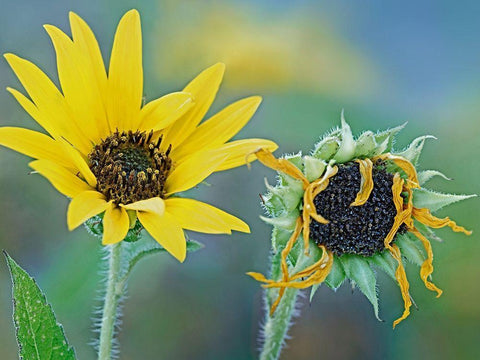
(358, 204)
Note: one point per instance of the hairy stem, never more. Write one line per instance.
(114, 291)
(276, 326)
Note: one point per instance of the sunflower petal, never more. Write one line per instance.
(426, 268)
(79, 85)
(281, 165)
(115, 224)
(55, 115)
(194, 170)
(155, 205)
(33, 144)
(366, 186)
(61, 179)
(241, 152)
(425, 217)
(84, 39)
(166, 231)
(220, 127)
(161, 113)
(125, 74)
(403, 283)
(84, 206)
(403, 164)
(31, 109)
(204, 89)
(79, 162)
(198, 216)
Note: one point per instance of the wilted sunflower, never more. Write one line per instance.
(111, 154)
(359, 205)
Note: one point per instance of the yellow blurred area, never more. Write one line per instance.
(289, 50)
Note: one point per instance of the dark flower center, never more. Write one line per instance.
(357, 230)
(130, 167)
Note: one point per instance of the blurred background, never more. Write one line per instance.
(383, 62)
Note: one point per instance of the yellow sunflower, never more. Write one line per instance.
(111, 154)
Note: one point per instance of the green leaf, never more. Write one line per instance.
(282, 198)
(94, 226)
(279, 238)
(410, 249)
(286, 222)
(423, 198)
(39, 336)
(313, 167)
(346, 151)
(336, 276)
(273, 204)
(413, 151)
(293, 184)
(193, 245)
(294, 257)
(424, 176)
(366, 145)
(326, 148)
(335, 273)
(359, 271)
(299, 260)
(328, 145)
(313, 291)
(385, 262)
(295, 159)
(387, 137)
(427, 232)
(133, 252)
(286, 180)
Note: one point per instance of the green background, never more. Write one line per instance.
(384, 63)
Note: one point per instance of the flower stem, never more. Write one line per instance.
(114, 291)
(276, 326)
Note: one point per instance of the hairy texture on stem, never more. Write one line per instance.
(276, 326)
(114, 292)
(275, 329)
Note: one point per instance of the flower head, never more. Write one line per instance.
(358, 205)
(117, 157)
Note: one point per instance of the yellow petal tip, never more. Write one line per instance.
(70, 226)
(256, 98)
(218, 67)
(73, 15)
(180, 257)
(51, 28)
(132, 12)
(11, 57)
(245, 229)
